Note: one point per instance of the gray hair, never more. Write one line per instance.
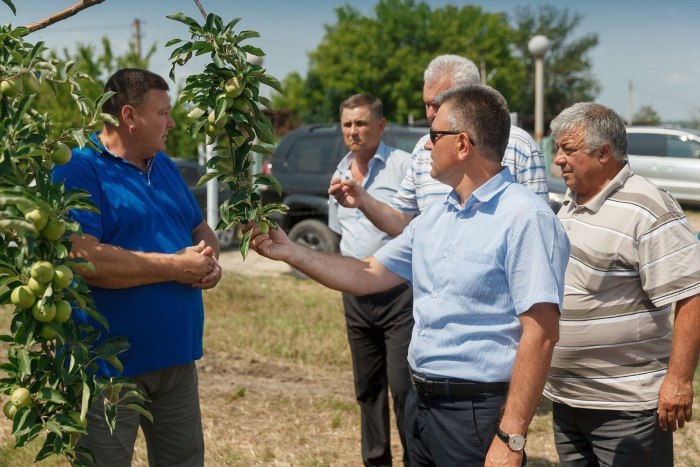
(483, 113)
(600, 124)
(461, 70)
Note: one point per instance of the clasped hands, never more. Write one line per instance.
(198, 267)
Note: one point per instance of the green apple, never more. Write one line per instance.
(233, 87)
(47, 332)
(38, 218)
(30, 83)
(42, 271)
(43, 313)
(62, 277)
(54, 229)
(22, 297)
(21, 397)
(36, 287)
(9, 409)
(63, 311)
(9, 88)
(61, 154)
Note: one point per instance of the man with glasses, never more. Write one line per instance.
(479, 354)
(418, 189)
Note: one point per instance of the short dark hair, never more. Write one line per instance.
(131, 86)
(482, 112)
(376, 108)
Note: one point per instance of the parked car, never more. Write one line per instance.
(669, 157)
(304, 162)
(191, 171)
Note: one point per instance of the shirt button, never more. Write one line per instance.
(568, 226)
(444, 254)
(434, 294)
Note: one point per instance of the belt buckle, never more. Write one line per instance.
(423, 386)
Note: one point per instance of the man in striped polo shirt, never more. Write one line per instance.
(621, 378)
(418, 189)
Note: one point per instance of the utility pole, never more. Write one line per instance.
(137, 38)
(629, 103)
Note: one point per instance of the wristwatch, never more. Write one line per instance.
(515, 442)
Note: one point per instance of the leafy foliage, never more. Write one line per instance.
(51, 361)
(224, 100)
(386, 54)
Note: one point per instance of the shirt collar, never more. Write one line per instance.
(596, 202)
(486, 192)
(106, 152)
(382, 154)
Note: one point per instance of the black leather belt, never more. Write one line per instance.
(427, 387)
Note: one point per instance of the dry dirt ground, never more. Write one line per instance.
(266, 412)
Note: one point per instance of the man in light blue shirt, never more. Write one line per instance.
(487, 268)
(379, 324)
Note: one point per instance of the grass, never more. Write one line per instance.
(276, 383)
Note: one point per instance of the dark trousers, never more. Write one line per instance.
(592, 438)
(451, 431)
(379, 329)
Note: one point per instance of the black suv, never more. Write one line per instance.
(304, 162)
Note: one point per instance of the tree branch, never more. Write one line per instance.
(201, 9)
(61, 15)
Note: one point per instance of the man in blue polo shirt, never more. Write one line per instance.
(379, 325)
(153, 254)
(487, 268)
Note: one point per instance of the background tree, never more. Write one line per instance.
(646, 115)
(387, 53)
(568, 77)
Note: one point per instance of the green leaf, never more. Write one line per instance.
(253, 50)
(136, 407)
(47, 394)
(11, 5)
(243, 35)
(244, 245)
(182, 18)
(267, 179)
(85, 403)
(111, 347)
(206, 177)
(172, 42)
(272, 82)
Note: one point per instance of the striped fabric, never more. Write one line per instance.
(523, 157)
(632, 255)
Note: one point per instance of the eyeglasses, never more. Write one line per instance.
(434, 134)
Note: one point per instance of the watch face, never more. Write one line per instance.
(516, 442)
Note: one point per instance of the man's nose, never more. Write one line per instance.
(428, 145)
(559, 158)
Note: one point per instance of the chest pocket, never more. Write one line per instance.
(475, 272)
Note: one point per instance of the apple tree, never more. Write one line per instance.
(49, 373)
(225, 102)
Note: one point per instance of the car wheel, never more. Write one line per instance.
(228, 238)
(315, 235)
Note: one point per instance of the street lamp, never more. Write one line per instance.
(538, 46)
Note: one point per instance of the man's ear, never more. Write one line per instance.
(605, 153)
(127, 115)
(464, 148)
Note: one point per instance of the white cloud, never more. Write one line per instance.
(677, 77)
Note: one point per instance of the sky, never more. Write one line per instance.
(654, 45)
